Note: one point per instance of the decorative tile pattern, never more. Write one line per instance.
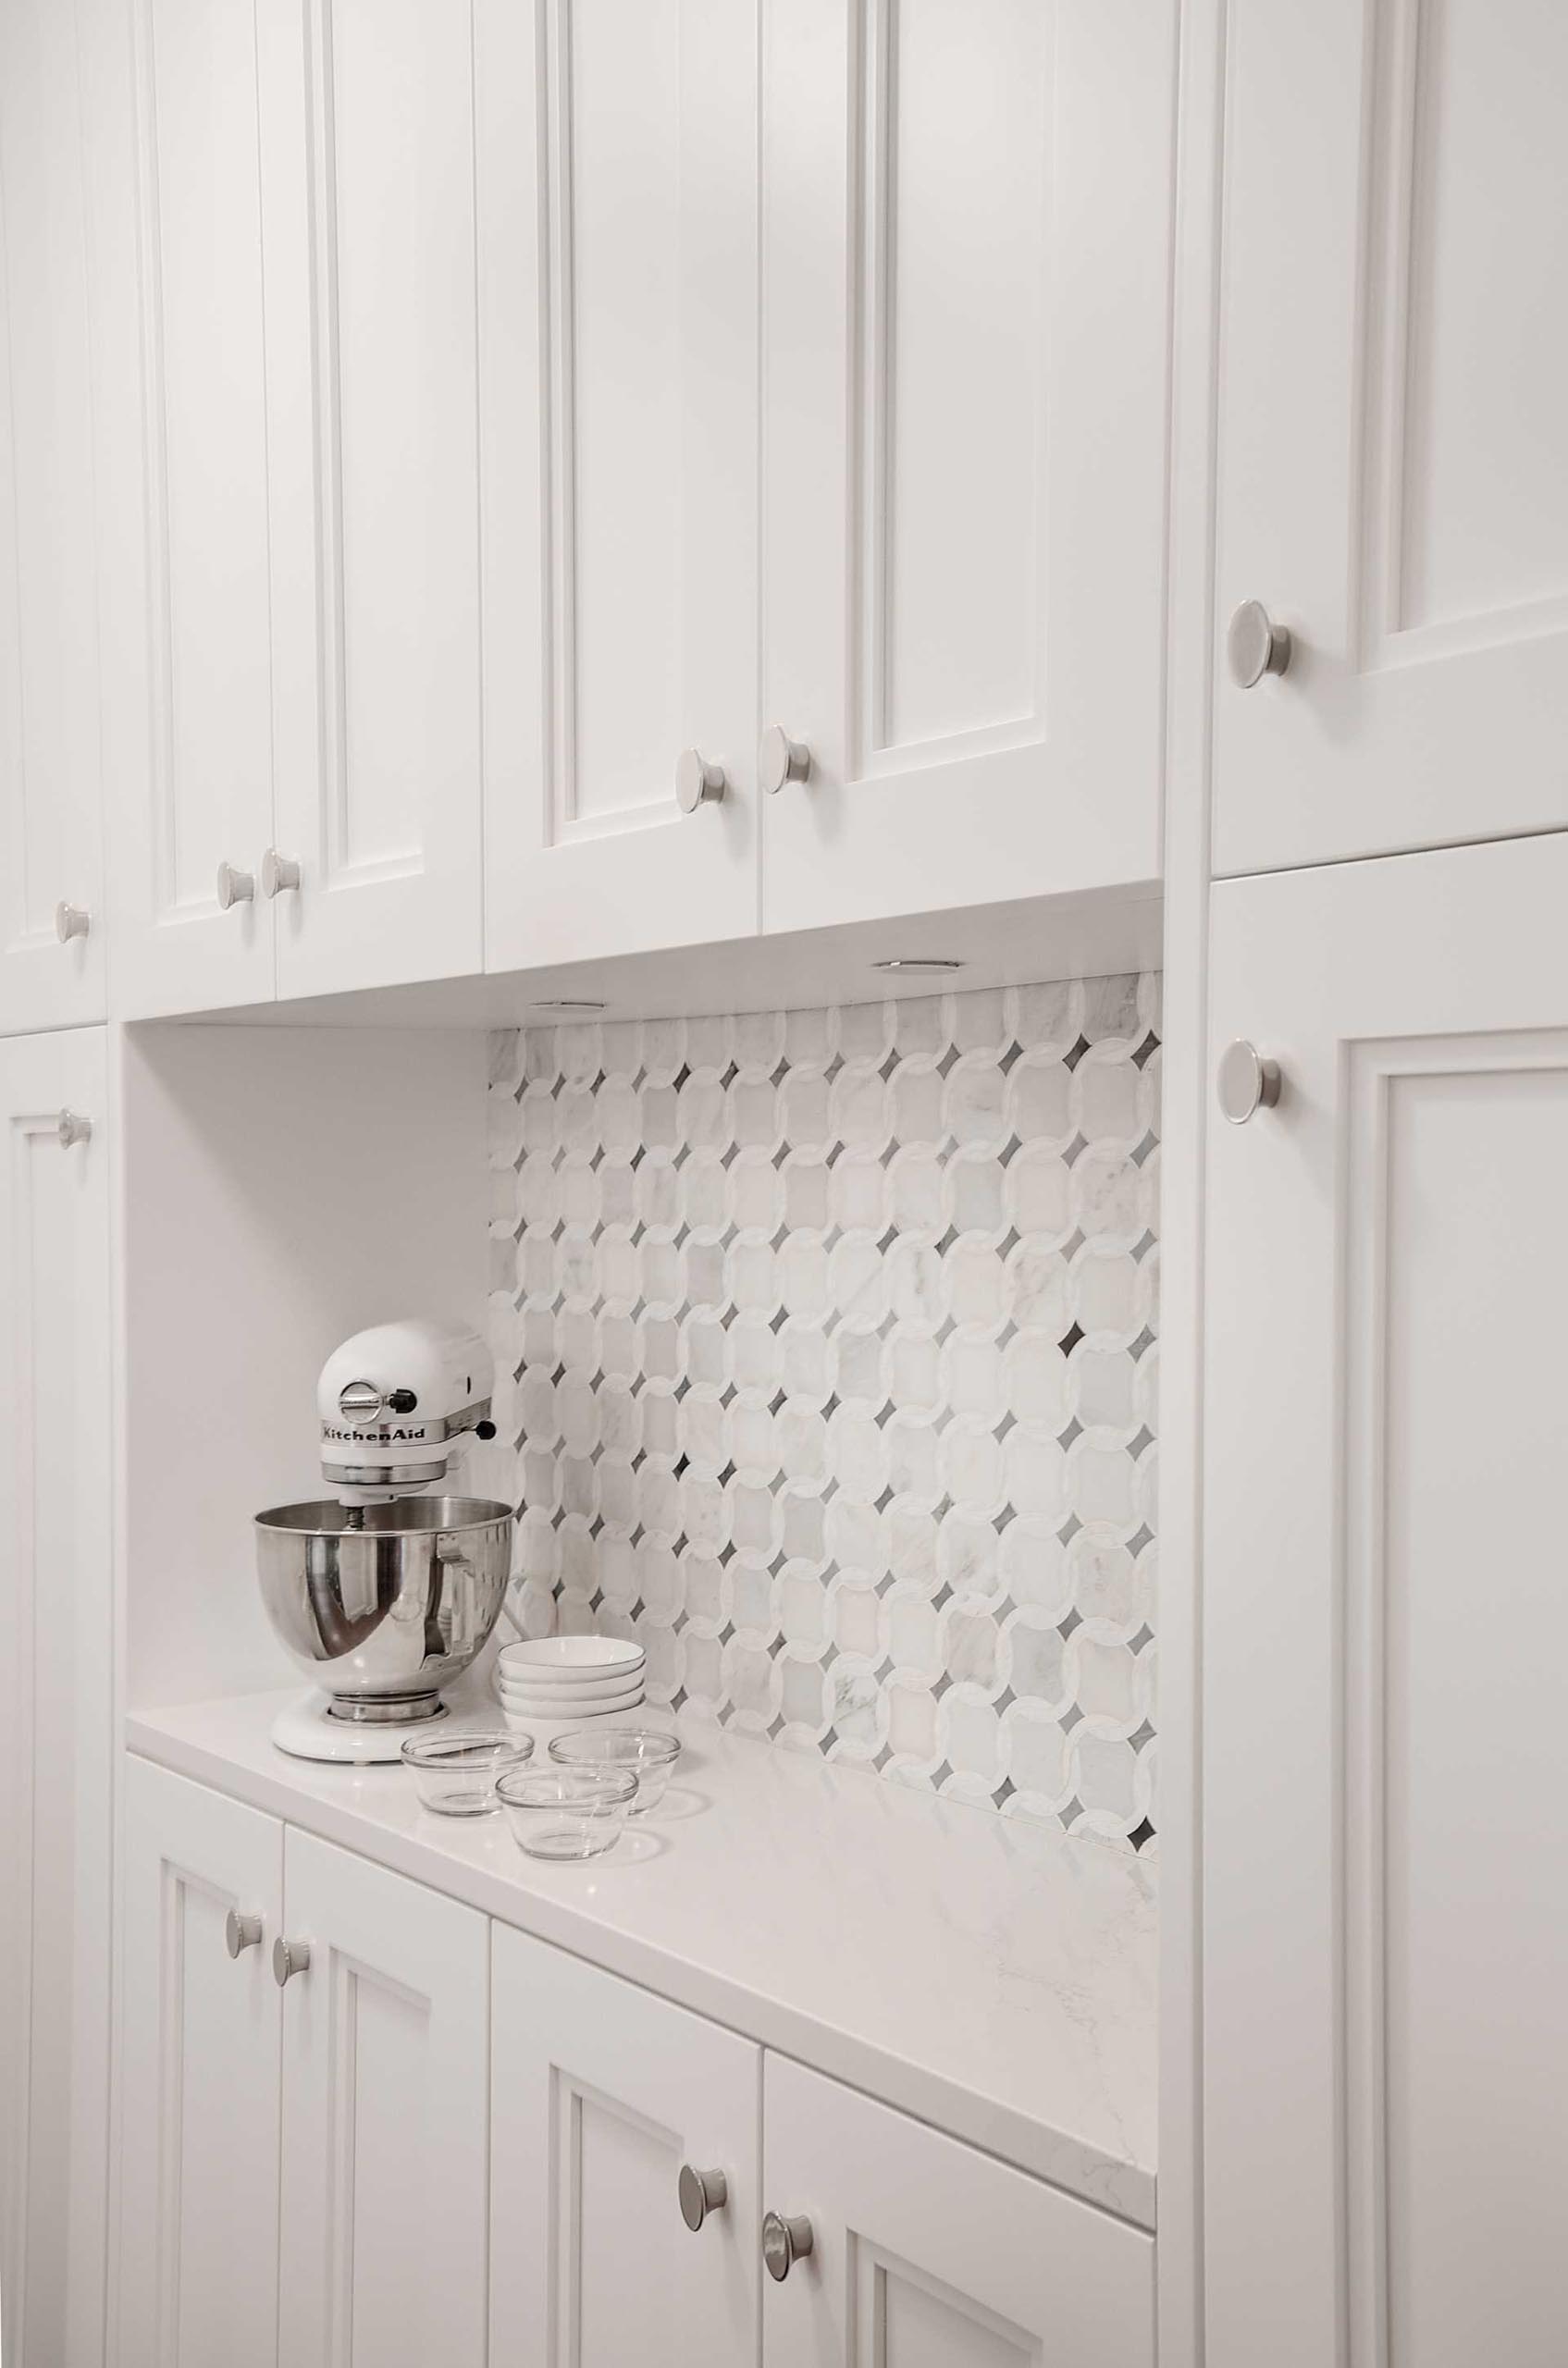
(826, 1347)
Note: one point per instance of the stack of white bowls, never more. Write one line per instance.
(557, 1680)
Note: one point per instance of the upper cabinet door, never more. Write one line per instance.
(386, 2127)
(368, 199)
(965, 245)
(1384, 1953)
(1393, 460)
(51, 924)
(201, 797)
(618, 277)
(604, 2100)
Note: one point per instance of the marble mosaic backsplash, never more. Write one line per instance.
(826, 1349)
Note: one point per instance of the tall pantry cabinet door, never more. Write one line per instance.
(366, 176)
(604, 2098)
(1393, 486)
(966, 244)
(51, 861)
(56, 1696)
(188, 931)
(924, 2253)
(386, 2120)
(200, 2100)
(1385, 2084)
(618, 284)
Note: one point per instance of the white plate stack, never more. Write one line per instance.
(557, 1680)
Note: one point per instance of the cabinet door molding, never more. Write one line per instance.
(386, 2119)
(1392, 484)
(602, 2092)
(618, 275)
(924, 2253)
(1385, 2084)
(965, 245)
(199, 2080)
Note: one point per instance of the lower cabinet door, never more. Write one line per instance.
(925, 2254)
(198, 2183)
(386, 2119)
(616, 2116)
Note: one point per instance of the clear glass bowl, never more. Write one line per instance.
(455, 1772)
(649, 1753)
(566, 1812)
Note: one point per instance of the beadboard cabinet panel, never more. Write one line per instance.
(965, 241)
(50, 809)
(200, 2080)
(1393, 478)
(57, 1702)
(617, 279)
(1386, 2078)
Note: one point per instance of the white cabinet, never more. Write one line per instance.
(199, 2081)
(56, 1697)
(965, 245)
(604, 2098)
(1393, 481)
(310, 341)
(1385, 2107)
(618, 286)
(923, 2252)
(50, 811)
(386, 2119)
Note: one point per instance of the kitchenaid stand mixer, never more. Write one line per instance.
(384, 1593)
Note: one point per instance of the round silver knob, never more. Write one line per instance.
(289, 1957)
(1256, 645)
(696, 782)
(1246, 1082)
(781, 759)
(784, 2243)
(234, 887)
(73, 1128)
(278, 871)
(71, 920)
(240, 1932)
(702, 2192)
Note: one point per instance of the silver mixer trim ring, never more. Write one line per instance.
(382, 1475)
(402, 1710)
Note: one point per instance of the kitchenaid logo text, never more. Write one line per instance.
(384, 1435)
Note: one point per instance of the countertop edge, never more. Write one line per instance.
(1126, 2190)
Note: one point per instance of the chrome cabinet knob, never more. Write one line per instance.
(1256, 645)
(234, 887)
(784, 2243)
(1246, 1082)
(781, 759)
(696, 782)
(73, 1128)
(289, 1957)
(71, 920)
(240, 1932)
(277, 872)
(702, 2192)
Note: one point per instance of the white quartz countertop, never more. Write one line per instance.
(990, 1978)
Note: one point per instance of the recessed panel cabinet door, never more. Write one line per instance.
(386, 2120)
(1393, 479)
(603, 2097)
(1386, 2086)
(924, 2253)
(965, 243)
(56, 1697)
(199, 2081)
(202, 799)
(367, 200)
(618, 283)
(51, 961)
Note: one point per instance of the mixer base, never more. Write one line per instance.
(305, 1731)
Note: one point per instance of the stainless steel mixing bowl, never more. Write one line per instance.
(383, 1605)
